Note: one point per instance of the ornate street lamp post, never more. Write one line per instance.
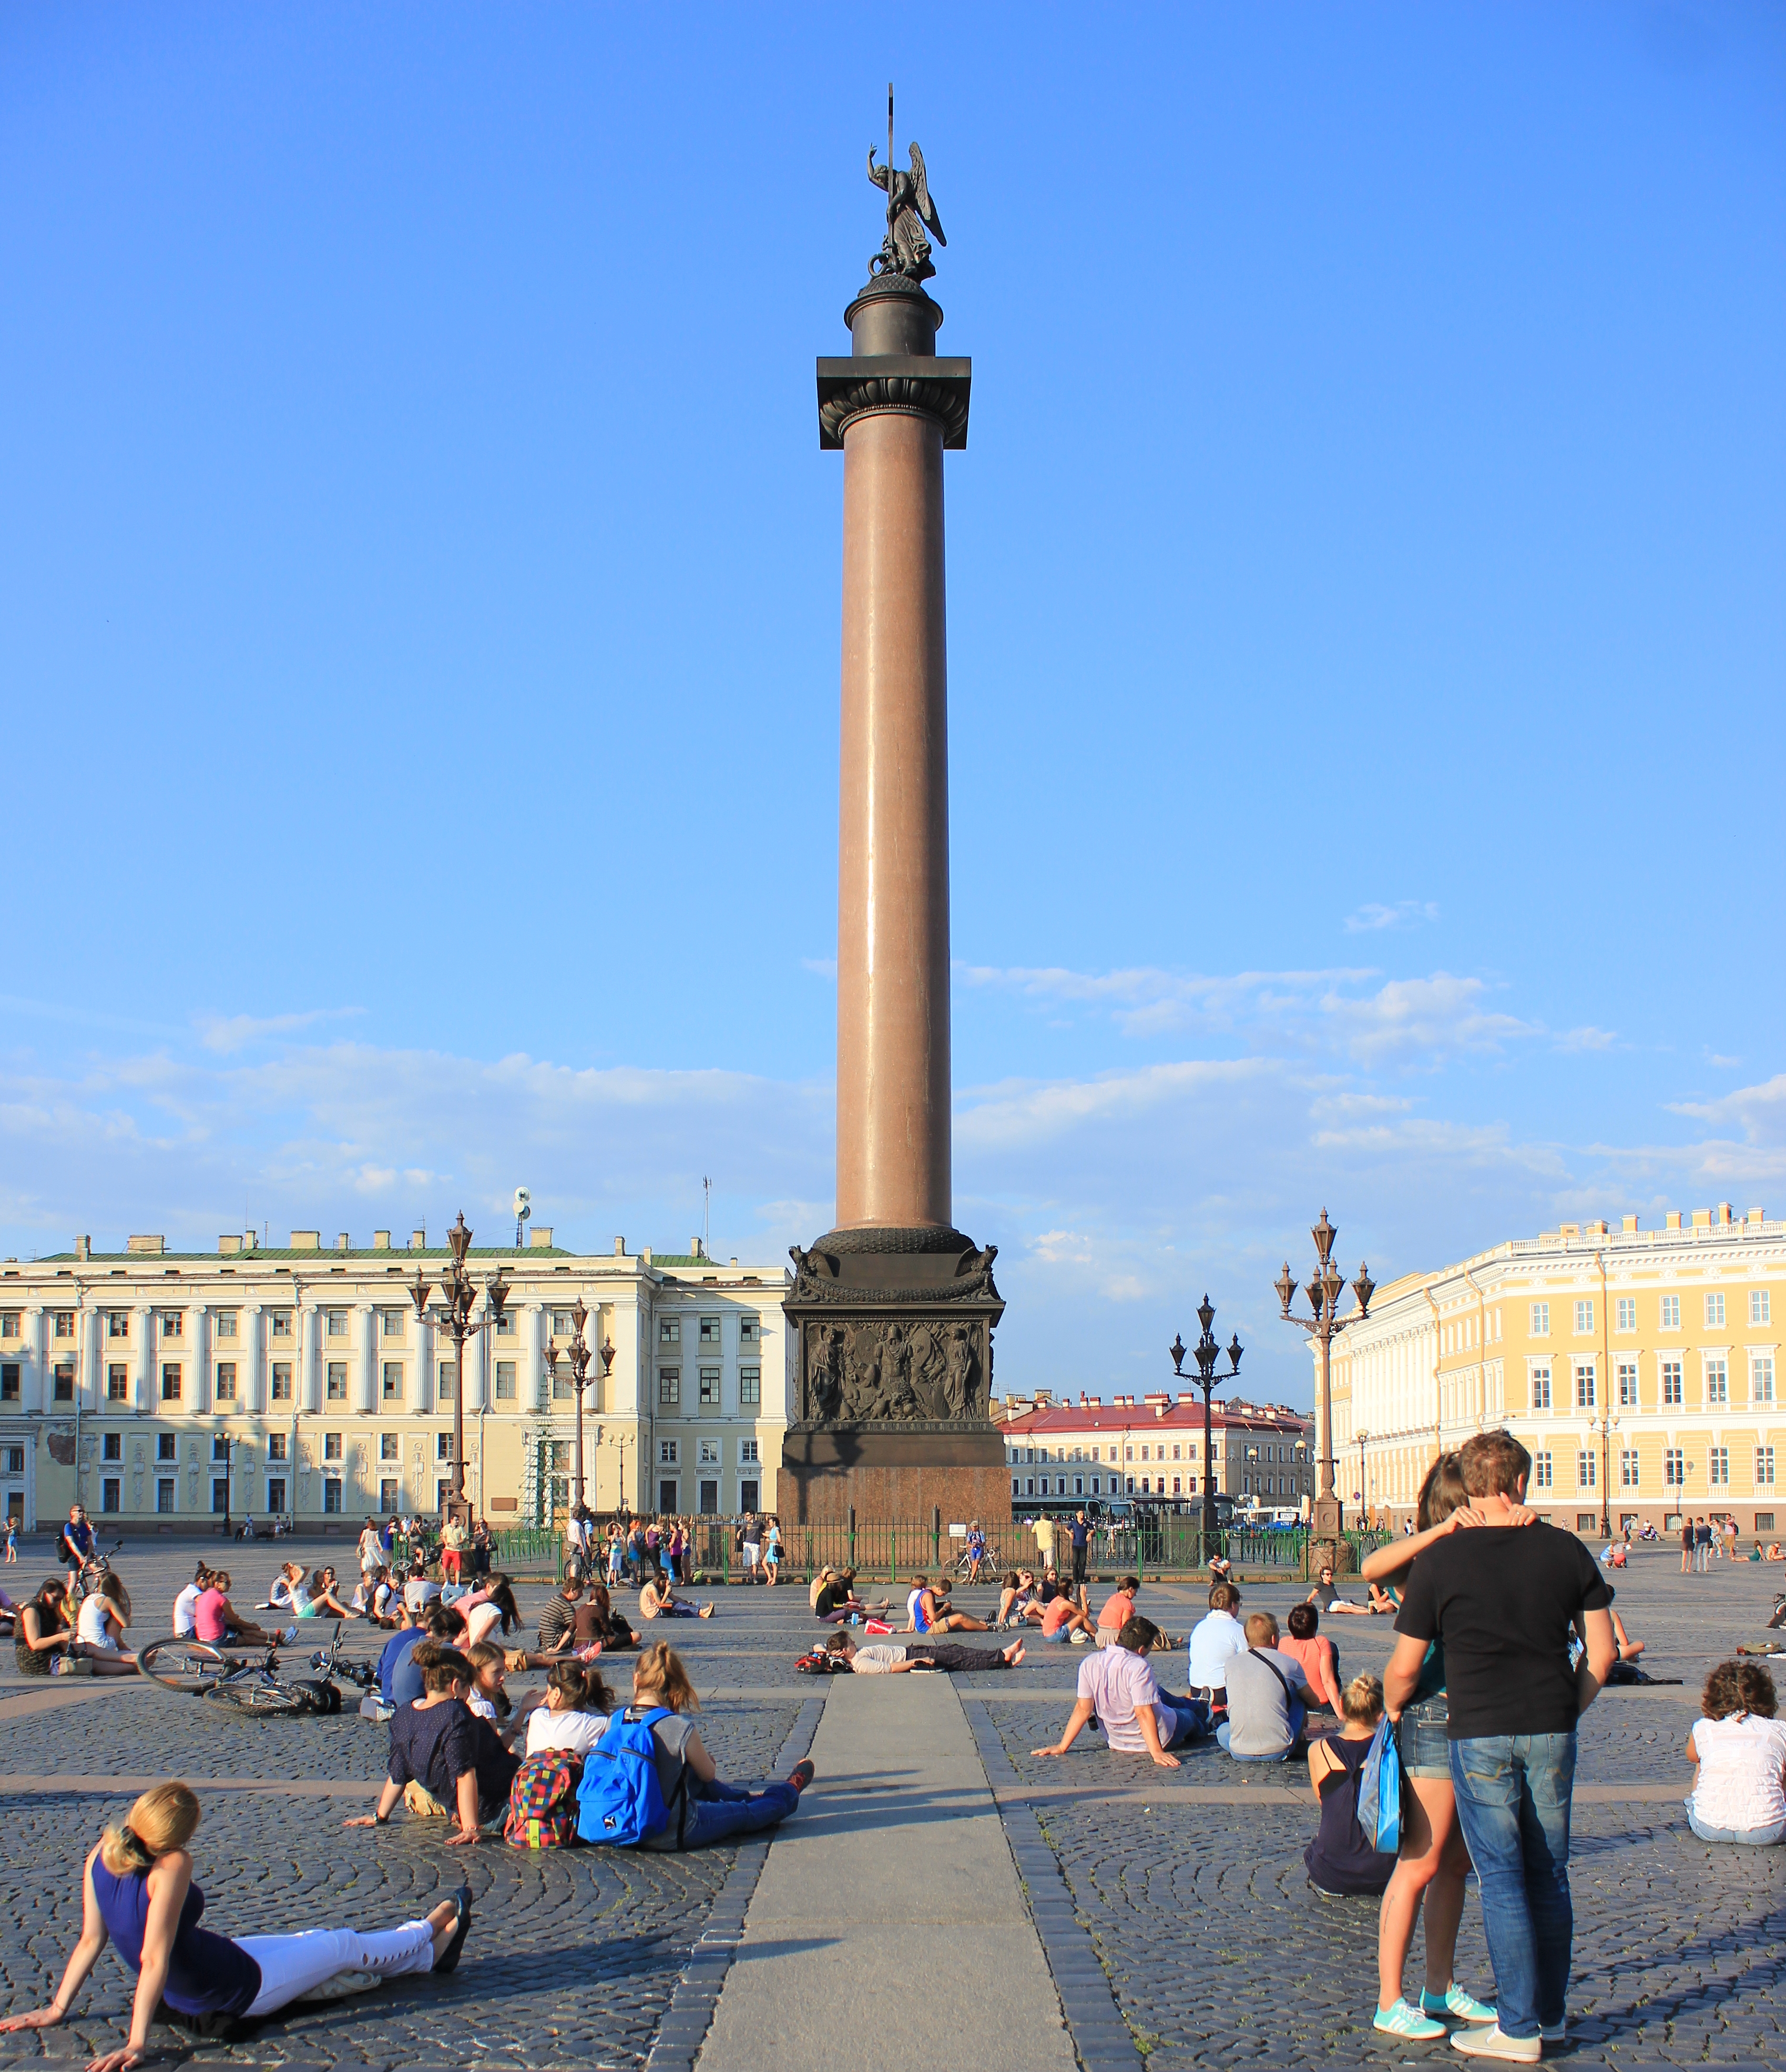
(1325, 1291)
(458, 1295)
(1364, 1484)
(1207, 1353)
(580, 1355)
(1608, 1425)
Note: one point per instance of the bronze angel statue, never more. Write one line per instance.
(910, 212)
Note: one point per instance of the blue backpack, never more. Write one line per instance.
(619, 1801)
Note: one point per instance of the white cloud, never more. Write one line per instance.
(1427, 1019)
(227, 1034)
(1586, 1038)
(1405, 914)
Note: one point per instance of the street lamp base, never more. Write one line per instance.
(1326, 1521)
(456, 1511)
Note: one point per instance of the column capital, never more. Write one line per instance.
(912, 384)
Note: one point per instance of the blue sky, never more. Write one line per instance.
(419, 621)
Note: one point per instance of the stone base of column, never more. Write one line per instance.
(892, 1329)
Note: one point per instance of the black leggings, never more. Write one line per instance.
(944, 1656)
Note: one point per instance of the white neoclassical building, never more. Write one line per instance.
(158, 1386)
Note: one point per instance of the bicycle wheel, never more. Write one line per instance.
(191, 1668)
(264, 1700)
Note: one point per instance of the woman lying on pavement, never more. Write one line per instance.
(885, 1659)
(1117, 1687)
(703, 1808)
(137, 1892)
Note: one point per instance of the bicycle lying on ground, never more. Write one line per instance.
(254, 1683)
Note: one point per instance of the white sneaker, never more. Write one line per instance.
(1491, 2043)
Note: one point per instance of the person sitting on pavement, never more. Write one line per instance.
(1069, 1620)
(704, 1809)
(1017, 1594)
(878, 1658)
(320, 1600)
(1214, 1639)
(421, 1590)
(377, 1599)
(574, 1714)
(399, 1676)
(834, 1600)
(1315, 1652)
(1118, 1688)
(558, 1620)
(1326, 1595)
(657, 1600)
(928, 1610)
(1269, 1697)
(183, 1626)
(1381, 1600)
(1221, 1569)
(1117, 1610)
(1629, 1650)
(1738, 1753)
(99, 1630)
(1342, 1860)
(290, 1590)
(217, 1621)
(600, 1628)
(43, 1629)
(137, 1892)
(444, 1759)
(488, 1696)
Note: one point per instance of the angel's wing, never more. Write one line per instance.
(926, 208)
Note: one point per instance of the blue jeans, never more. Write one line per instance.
(718, 1810)
(1755, 1837)
(1513, 1804)
(1298, 1713)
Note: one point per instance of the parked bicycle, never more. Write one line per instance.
(253, 1683)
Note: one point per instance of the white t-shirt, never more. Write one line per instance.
(1213, 1640)
(578, 1732)
(182, 1612)
(420, 1592)
(876, 1659)
(90, 1626)
(480, 1620)
(1740, 1760)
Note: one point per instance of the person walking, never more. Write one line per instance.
(1503, 1600)
(1689, 1538)
(12, 1539)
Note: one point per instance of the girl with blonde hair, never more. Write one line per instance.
(137, 1892)
(703, 1808)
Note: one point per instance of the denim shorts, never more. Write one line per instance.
(1421, 1739)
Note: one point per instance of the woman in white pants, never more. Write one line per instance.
(136, 1891)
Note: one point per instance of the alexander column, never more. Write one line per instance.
(892, 1312)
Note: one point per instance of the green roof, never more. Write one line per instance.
(392, 1254)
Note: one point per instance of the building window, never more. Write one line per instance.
(710, 1387)
(1541, 1471)
(449, 1382)
(275, 1445)
(337, 1389)
(164, 1493)
(669, 1387)
(709, 1453)
(391, 1322)
(332, 1446)
(1016, 1487)
(167, 1447)
(1628, 1469)
(118, 1323)
(390, 1446)
(1717, 1467)
(1584, 1384)
(505, 1381)
(173, 1323)
(1763, 1470)
(749, 1331)
(223, 1323)
(392, 1381)
(1674, 1468)
(226, 1381)
(281, 1381)
(64, 1323)
(563, 1386)
(710, 1331)
(117, 1384)
(666, 1453)
(1627, 1312)
(669, 1330)
(1671, 1384)
(563, 1324)
(111, 1446)
(1585, 1470)
(170, 1384)
(282, 1323)
(335, 1323)
(750, 1387)
(1761, 1377)
(1540, 1390)
(9, 1387)
(331, 1494)
(1584, 1317)
(505, 1324)
(1627, 1385)
(65, 1381)
(1671, 1312)
(747, 1454)
(388, 1496)
(110, 1494)
(443, 1446)
(1714, 1310)
(1760, 1306)
(8, 1323)
(1717, 1382)
(219, 1447)
(1541, 1320)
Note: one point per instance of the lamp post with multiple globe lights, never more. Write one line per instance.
(1206, 1352)
(1324, 1290)
(580, 1355)
(458, 1297)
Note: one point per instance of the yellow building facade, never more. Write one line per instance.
(1641, 1369)
(164, 1388)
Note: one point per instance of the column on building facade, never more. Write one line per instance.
(33, 1391)
(143, 1322)
(308, 1322)
(532, 1386)
(477, 1364)
(90, 1373)
(195, 1361)
(251, 1372)
(366, 1395)
(421, 1375)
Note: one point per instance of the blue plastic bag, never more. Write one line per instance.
(1380, 1791)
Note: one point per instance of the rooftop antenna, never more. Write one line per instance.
(707, 1218)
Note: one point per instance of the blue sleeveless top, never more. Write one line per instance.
(207, 1974)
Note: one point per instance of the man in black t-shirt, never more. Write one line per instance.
(1503, 1601)
(1081, 1533)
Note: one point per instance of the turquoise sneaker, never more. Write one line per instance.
(1457, 2004)
(1401, 2020)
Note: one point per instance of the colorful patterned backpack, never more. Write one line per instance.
(542, 1801)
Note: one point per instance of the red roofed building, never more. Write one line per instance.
(1063, 1454)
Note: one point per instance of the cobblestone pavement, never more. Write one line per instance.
(1194, 1897)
